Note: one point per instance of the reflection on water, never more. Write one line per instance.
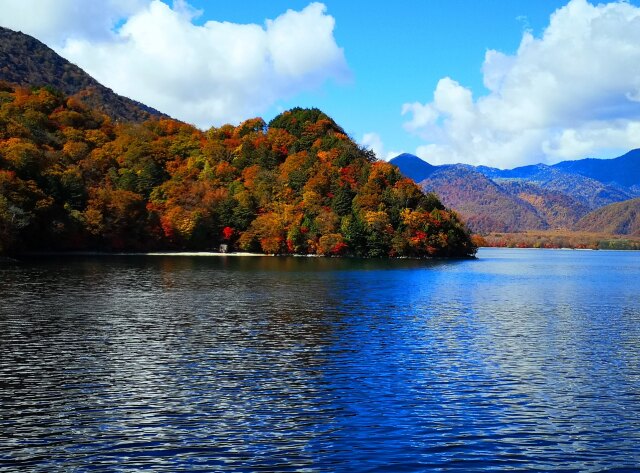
(522, 360)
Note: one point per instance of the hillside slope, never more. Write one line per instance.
(27, 62)
(589, 192)
(558, 210)
(482, 203)
(622, 218)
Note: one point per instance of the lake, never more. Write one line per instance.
(521, 360)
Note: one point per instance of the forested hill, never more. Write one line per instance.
(72, 179)
(621, 218)
(26, 61)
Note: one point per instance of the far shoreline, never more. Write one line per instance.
(214, 254)
(30, 254)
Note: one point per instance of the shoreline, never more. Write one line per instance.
(193, 253)
(213, 254)
(137, 253)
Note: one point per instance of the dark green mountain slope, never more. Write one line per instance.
(28, 62)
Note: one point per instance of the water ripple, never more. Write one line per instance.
(521, 361)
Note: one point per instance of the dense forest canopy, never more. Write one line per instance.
(72, 179)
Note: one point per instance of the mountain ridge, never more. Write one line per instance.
(27, 62)
(532, 197)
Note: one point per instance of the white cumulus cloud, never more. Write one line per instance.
(572, 92)
(373, 141)
(55, 21)
(206, 74)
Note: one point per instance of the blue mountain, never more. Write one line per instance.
(528, 197)
(413, 167)
(623, 171)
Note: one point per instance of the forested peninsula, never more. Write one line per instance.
(73, 179)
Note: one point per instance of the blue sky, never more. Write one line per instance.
(494, 82)
(398, 55)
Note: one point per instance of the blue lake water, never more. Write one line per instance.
(521, 360)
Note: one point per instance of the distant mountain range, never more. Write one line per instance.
(26, 61)
(568, 195)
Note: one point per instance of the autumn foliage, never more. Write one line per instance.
(71, 179)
